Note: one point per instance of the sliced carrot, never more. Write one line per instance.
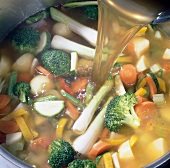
(4, 100)
(128, 75)
(40, 144)
(79, 84)
(44, 71)
(24, 77)
(5, 110)
(145, 109)
(64, 85)
(130, 49)
(98, 148)
(72, 110)
(166, 65)
(151, 85)
(8, 127)
(104, 133)
(141, 99)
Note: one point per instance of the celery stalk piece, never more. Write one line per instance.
(84, 142)
(87, 33)
(85, 118)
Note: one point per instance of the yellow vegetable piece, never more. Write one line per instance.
(133, 140)
(141, 31)
(100, 164)
(126, 59)
(24, 129)
(60, 127)
(14, 114)
(115, 142)
(140, 92)
(108, 162)
(142, 83)
(162, 84)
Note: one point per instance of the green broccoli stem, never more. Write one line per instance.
(85, 118)
(87, 33)
(22, 97)
(84, 142)
(76, 102)
(80, 4)
(89, 92)
(132, 119)
(12, 82)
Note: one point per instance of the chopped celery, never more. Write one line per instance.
(159, 99)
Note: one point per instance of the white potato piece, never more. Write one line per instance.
(62, 29)
(39, 84)
(142, 64)
(5, 65)
(125, 151)
(23, 63)
(156, 149)
(166, 54)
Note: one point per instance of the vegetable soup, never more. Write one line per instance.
(52, 113)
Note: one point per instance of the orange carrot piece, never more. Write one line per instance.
(104, 133)
(128, 75)
(79, 84)
(4, 100)
(44, 71)
(72, 110)
(145, 109)
(24, 77)
(99, 148)
(152, 86)
(8, 127)
(130, 49)
(40, 144)
(141, 99)
(5, 110)
(166, 65)
(65, 86)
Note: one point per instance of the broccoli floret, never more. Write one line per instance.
(82, 164)
(120, 111)
(62, 153)
(22, 90)
(25, 40)
(91, 11)
(56, 61)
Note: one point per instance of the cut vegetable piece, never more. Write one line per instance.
(40, 84)
(140, 92)
(137, 46)
(107, 158)
(158, 35)
(125, 151)
(23, 63)
(166, 54)
(24, 129)
(70, 46)
(120, 90)
(157, 148)
(141, 64)
(159, 99)
(49, 108)
(162, 84)
(13, 137)
(154, 78)
(45, 42)
(155, 68)
(116, 160)
(60, 127)
(141, 82)
(74, 62)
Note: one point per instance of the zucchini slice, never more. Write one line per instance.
(49, 108)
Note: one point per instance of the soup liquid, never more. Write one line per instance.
(116, 27)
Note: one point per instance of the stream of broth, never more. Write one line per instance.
(116, 27)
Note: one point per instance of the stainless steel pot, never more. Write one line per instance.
(11, 14)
